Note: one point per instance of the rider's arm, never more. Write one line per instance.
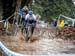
(26, 17)
(34, 17)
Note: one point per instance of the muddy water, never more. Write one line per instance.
(43, 41)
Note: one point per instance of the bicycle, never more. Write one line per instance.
(28, 31)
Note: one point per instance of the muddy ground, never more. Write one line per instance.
(43, 41)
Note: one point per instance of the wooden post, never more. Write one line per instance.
(72, 23)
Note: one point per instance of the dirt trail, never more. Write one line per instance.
(44, 41)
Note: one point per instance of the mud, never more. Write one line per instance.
(67, 32)
(43, 41)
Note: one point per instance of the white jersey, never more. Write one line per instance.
(30, 17)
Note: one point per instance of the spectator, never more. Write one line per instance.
(55, 23)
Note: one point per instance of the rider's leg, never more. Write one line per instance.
(22, 24)
(21, 21)
(33, 25)
(26, 23)
(32, 30)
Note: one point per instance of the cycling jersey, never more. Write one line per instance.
(30, 17)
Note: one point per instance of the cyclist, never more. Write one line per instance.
(30, 19)
(23, 13)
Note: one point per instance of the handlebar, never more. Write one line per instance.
(29, 24)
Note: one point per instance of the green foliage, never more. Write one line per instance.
(53, 8)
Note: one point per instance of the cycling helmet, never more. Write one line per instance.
(30, 12)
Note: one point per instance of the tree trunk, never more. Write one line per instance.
(1, 10)
(17, 9)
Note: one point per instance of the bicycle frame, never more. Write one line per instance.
(29, 34)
